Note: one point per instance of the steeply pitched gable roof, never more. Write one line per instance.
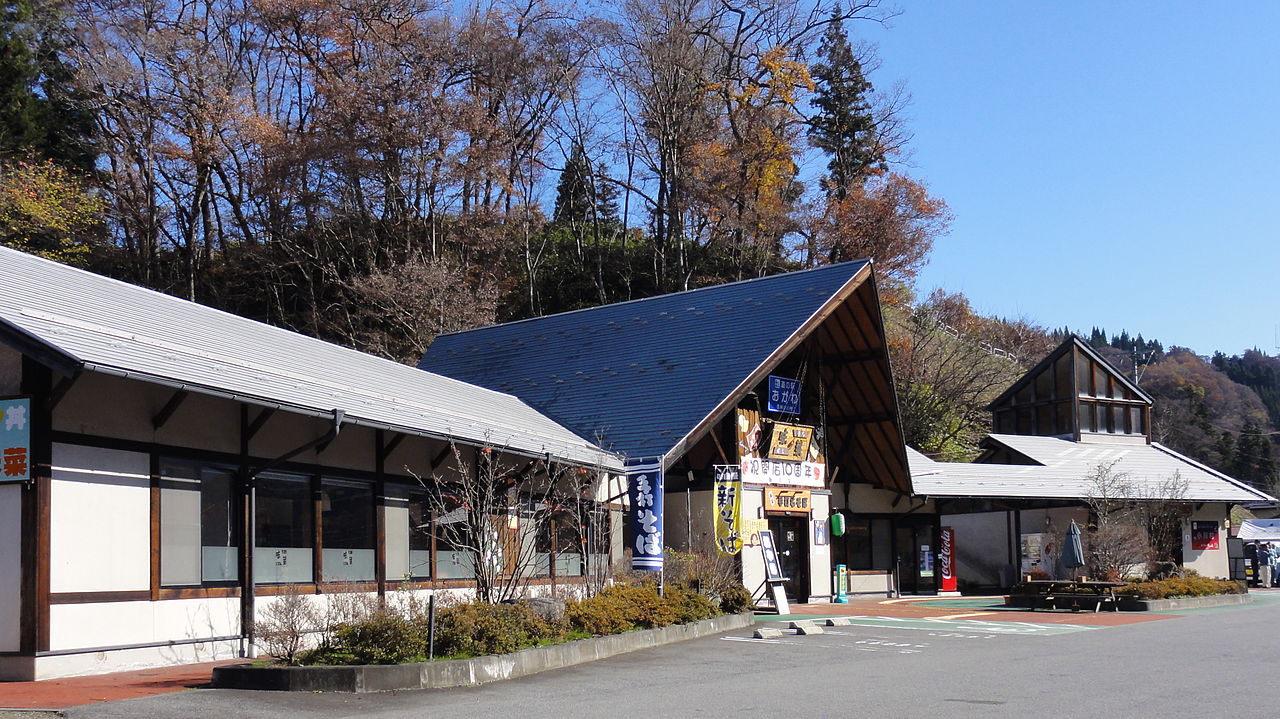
(639, 377)
(1046, 365)
(74, 320)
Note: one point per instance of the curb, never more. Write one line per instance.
(465, 672)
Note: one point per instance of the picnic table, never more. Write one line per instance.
(1073, 594)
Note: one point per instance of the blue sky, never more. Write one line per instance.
(1108, 163)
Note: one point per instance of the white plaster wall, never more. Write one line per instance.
(80, 626)
(866, 499)
(10, 566)
(100, 520)
(1208, 562)
(820, 554)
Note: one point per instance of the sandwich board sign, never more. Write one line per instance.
(773, 572)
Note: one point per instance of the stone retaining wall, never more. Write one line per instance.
(465, 672)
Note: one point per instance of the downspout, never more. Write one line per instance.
(247, 585)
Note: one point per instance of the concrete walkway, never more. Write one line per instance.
(984, 608)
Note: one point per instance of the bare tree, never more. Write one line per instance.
(501, 521)
(1116, 537)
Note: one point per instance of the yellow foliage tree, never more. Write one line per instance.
(47, 210)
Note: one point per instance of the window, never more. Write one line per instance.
(454, 556)
(1086, 417)
(348, 532)
(198, 540)
(857, 543)
(284, 527)
(569, 540)
(408, 526)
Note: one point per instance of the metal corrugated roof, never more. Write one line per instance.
(106, 325)
(1064, 470)
(639, 376)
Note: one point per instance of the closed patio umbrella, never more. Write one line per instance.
(1072, 549)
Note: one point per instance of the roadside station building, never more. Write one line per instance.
(705, 379)
(1070, 415)
(169, 469)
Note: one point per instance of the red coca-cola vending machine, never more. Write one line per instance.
(947, 559)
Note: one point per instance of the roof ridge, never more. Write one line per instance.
(666, 295)
(235, 317)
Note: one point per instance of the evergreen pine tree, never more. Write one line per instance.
(40, 112)
(843, 127)
(575, 192)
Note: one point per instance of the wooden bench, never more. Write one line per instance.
(1072, 594)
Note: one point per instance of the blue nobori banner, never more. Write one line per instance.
(15, 440)
(644, 489)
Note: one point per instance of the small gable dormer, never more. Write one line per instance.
(1073, 392)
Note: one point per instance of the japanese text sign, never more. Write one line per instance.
(644, 489)
(728, 519)
(15, 440)
(790, 442)
(784, 395)
(1204, 535)
(777, 499)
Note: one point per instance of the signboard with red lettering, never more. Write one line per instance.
(947, 559)
(1204, 535)
(15, 439)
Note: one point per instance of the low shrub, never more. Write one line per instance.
(623, 607)
(382, 638)
(468, 630)
(735, 599)
(1178, 587)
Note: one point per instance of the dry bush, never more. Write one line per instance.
(285, 625)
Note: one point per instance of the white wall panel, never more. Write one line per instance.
(100, 520)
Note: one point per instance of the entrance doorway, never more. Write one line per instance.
(791, 536)
(915, 552)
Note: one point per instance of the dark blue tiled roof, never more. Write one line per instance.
(638, 376)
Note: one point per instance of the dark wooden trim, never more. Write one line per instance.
(199, 592)
(849, 357)
(141, 595)
(156, 539)
(36, 543)
(166, 412)
(317, 529)
(258, 422)
(273, 590)
(60, 390)
(383, 450)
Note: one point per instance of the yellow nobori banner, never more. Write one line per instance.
(728, 516)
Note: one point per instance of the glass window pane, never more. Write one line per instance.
(1044, 385)
(1083, 375)
(1024, 420)
(881, 544)
(1004, 422)
(1100, 382)
(570, 536)
(219, 544)
(1044, 419)
(179, 526)
(454, 547)
(1064, 424)
(198, 541)
(1135, 421)
(1062, 377)
(284, 527)
(857, 542)
(1086, 417)
(348, 531)
(1117, 419)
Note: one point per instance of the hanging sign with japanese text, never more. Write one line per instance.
(728, 518)
(784, 395)
(15, 440)
(790, 442)
(644, 489)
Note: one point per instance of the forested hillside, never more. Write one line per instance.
(377, 173)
